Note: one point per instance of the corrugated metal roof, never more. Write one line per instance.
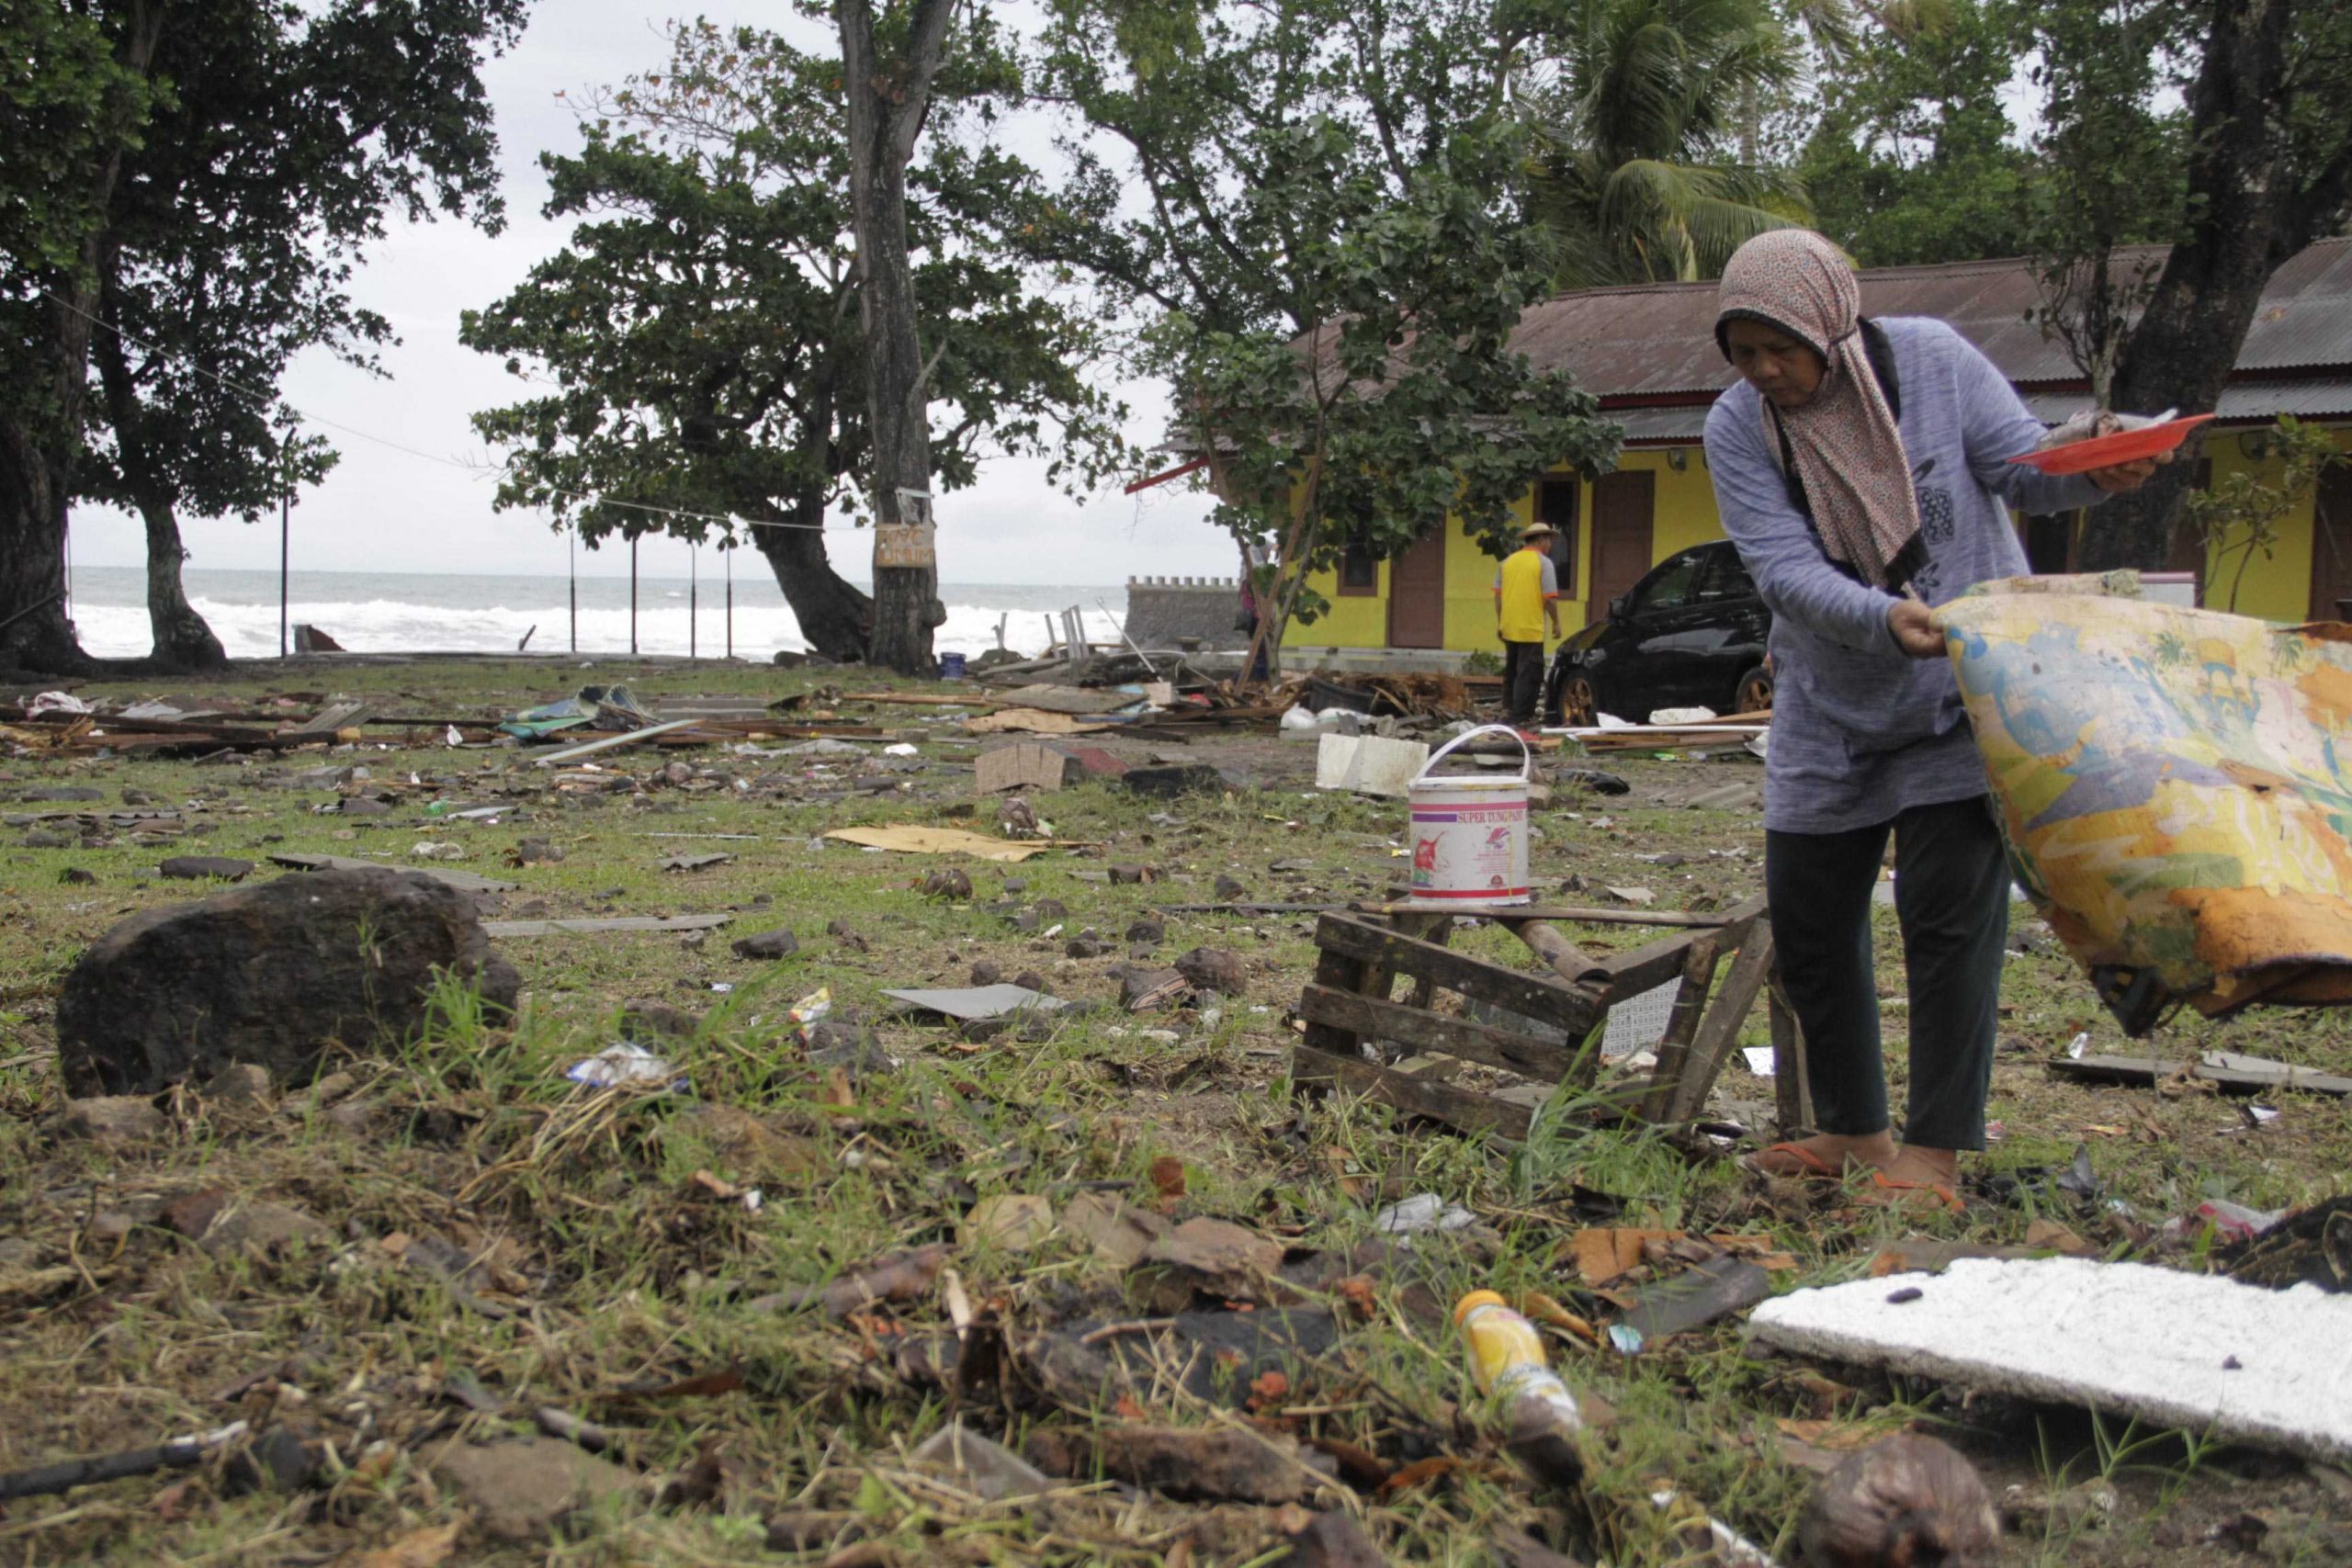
(1658, 340)
(2246, 400)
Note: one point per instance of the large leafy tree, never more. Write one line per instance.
(217, 244)
(1913, 157)
(1643, 167)
(700, 337)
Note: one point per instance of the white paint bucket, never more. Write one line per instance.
(1469, 835)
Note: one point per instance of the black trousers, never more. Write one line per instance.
(1522, 680)
(1951, 899)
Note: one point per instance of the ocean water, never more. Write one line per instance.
(435, 612)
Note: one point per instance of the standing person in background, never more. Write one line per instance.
(1527, 604)
(1252, 615)
(1862, 467)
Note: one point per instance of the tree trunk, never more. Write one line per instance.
(835, 617)
(886, 104)
(34, 632)
(2187, 341)
(182, 640)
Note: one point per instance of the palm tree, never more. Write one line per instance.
(1636, 168)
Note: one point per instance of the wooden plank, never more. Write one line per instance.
(327, 720)
(1791, 1078)
(1337, 972)
(1719, 1028)
(609, 923)
(1368, 1019)
(1461, 1108)
(463, 881)
(2246, 1075)
(1573, 1009)
(589, 749)
(1435, 929)
(1674, 1047)
(1567, 960)
(1646, 968)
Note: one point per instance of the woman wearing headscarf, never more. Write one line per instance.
(1862, 467)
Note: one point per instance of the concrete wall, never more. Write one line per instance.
(1162, 609)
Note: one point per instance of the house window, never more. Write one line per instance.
(1555, 502)
(1359, 573)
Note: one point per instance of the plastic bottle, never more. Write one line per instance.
(1506, 1361)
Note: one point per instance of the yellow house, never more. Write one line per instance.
(1649, 355)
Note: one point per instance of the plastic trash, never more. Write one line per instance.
(2230, 1222)
(2077, 1045)
(1422, 1211)
(903, 749)
(56, 702)
(1667, 719)
(809, 1010)
(1542, 1422)
(625, 1064)
(1299, 719)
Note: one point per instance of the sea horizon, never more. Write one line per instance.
(417, 611)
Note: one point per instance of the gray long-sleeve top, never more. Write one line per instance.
(1860, 731)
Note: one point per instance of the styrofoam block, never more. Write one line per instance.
(2125, 1338)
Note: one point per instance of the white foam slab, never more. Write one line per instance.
(2124, 1337)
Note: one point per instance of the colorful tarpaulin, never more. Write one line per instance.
(2172, 787)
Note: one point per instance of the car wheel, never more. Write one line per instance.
(1754, 694)
(1578, 702)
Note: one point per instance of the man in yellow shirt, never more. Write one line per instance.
(1527, 594)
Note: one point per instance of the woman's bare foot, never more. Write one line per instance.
(1938, 1167)
(1918, 1179)
(1830, 1155)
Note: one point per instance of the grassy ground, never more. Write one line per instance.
(605, 1247)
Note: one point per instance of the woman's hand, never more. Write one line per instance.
(2126, 475)
(1914, 626)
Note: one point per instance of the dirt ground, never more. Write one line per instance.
(457, 1256)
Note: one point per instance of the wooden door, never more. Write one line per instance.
(2332, 546)
(1417, 593)
(1622, 506)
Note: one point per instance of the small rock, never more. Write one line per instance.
(1015, 885)
(1215, 969)
(356, 1117)
(777, 943)
(840, 1042)
(523, 1488)
(240, 1083)
(949, 885)
(1146, 930)
(643, 1019)
(75, 877)
(429, 849)
(1030, 980)
(1085, 947)
(1022, 920)
(112, 1118)
(332, 1088)
(840, 931)
(42, 839)
(986, 972)
(1230, 889)
(677, 773)
(255, 1227)
(535, 852)
(1130, 875)
(1168, 782)
(201, 868)
(1051, 910)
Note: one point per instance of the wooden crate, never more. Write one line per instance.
(1364, 953)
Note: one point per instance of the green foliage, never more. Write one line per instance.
(1914, 158)
(2241, 515)
(1404, 402)
(65, 105)
(701, 330)
(1638, 172)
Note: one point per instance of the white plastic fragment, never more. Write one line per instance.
(623, 1065)
(2198, 1351)
(1422, 1211)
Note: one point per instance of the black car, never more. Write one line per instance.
(1689, 634)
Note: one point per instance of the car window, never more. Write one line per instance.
(1727, 579)
(1671, 586)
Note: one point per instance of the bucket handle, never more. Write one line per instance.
(1526, 758)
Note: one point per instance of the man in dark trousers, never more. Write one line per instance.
(1526, 602)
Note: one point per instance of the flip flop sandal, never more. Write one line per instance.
(1886, 1193)
(1811, 1167)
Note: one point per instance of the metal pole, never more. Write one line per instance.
(572, 541)
(632, 596)
(694, 599)
(285, 555)
(731, 599)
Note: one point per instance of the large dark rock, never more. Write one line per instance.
(275, 975)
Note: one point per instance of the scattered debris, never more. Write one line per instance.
(986, 1469)
(1023, 765)
(777, 943)
(625, 1066)
(975, 1004)
(695, 862)
(1716, 1288)
(1215, 969)
(1223, 1464)
(613, 923)
(2233, 1073)
(524, 1488)
(1905, 1499)
(951, 884)
(176, 1453)
(900, 1277)
(201, 868)
(939, 841)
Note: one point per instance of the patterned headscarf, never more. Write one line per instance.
(1848, 446)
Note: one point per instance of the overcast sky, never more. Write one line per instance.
(417, 496)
